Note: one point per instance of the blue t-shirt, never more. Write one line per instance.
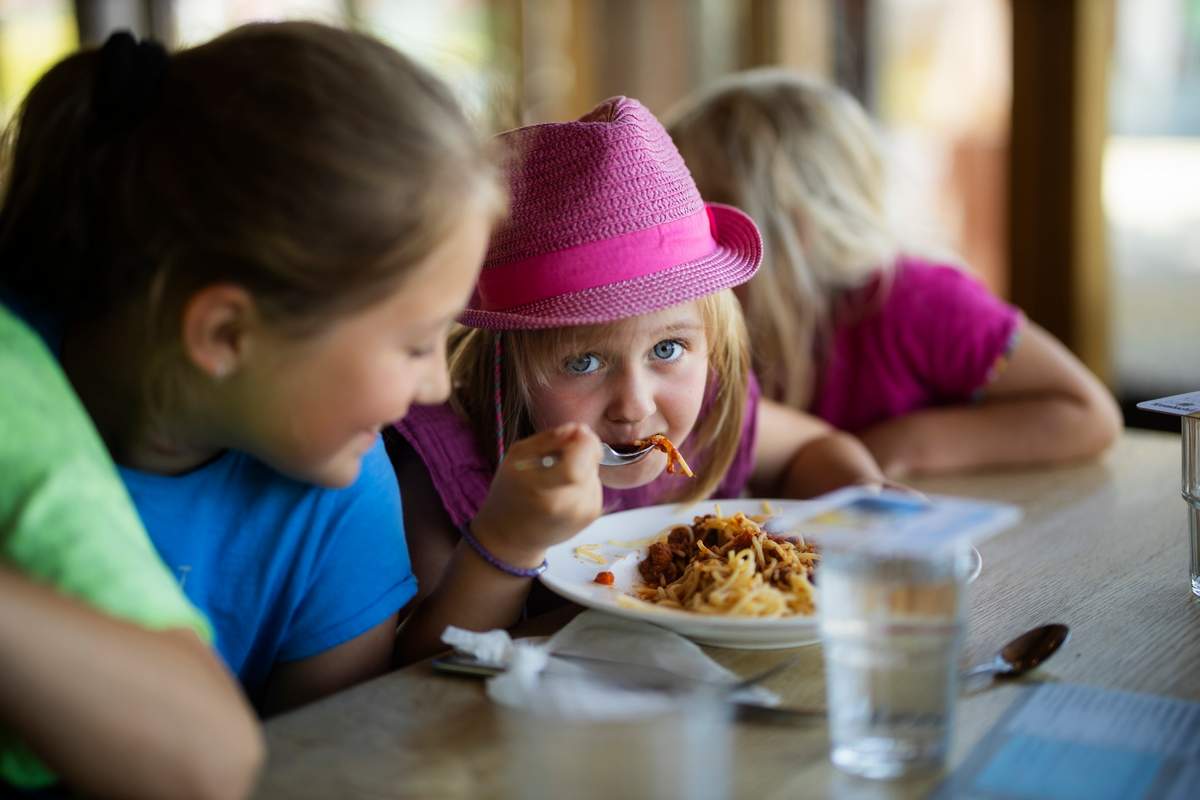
(283, 569)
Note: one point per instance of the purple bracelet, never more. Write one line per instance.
(503, 566)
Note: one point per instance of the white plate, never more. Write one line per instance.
(622, 540)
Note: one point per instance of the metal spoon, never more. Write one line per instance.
(1024, 653)
(609, 457)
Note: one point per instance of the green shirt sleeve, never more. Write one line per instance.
(65, 517)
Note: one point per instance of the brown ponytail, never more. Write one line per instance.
(310, 165)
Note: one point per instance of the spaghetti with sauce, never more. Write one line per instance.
(675, 460)
(729, 566)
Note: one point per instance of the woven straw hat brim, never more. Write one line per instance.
(737, 257)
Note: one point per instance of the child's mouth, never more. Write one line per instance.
(634, 446)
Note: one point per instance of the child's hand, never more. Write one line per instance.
(528, 510)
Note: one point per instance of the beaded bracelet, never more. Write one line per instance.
(503, 566)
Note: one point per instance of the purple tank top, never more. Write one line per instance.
(461, 473)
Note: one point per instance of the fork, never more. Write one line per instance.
(609, 457)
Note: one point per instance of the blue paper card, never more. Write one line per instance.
(1070, 742)
(895, 521)
(1178, 405)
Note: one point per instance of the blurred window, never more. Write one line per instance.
(1151, 200)
(463, 41)
(34, 34)
(456, 39)
(197, 21)
(940, 83)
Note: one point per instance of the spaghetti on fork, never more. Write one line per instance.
(674, 457)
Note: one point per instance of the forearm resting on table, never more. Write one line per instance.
(117, 710)
(472, 594)
(828, 462)
(1000, 432)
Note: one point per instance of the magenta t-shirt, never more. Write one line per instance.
(937, 337)
(462, 474)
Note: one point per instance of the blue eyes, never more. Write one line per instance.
(667, 350)
(582, 365)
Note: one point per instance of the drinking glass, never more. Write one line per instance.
(1191, 492)
(891, 628)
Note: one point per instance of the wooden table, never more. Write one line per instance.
(1102, 547)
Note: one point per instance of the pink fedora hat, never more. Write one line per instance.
(605, 223)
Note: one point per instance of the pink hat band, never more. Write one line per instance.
(600, 263)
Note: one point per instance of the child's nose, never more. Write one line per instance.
(632, 397)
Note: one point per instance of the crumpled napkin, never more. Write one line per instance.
(538, 681)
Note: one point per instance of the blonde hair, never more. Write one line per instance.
(803, 159)
(527, 359)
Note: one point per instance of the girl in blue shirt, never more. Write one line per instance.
(246, 255)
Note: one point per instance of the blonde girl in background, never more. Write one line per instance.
(914, 356)
(604, 311)
(246, 256)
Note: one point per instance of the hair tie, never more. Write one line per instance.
(129, 79)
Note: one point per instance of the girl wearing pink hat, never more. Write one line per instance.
(604, 311)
